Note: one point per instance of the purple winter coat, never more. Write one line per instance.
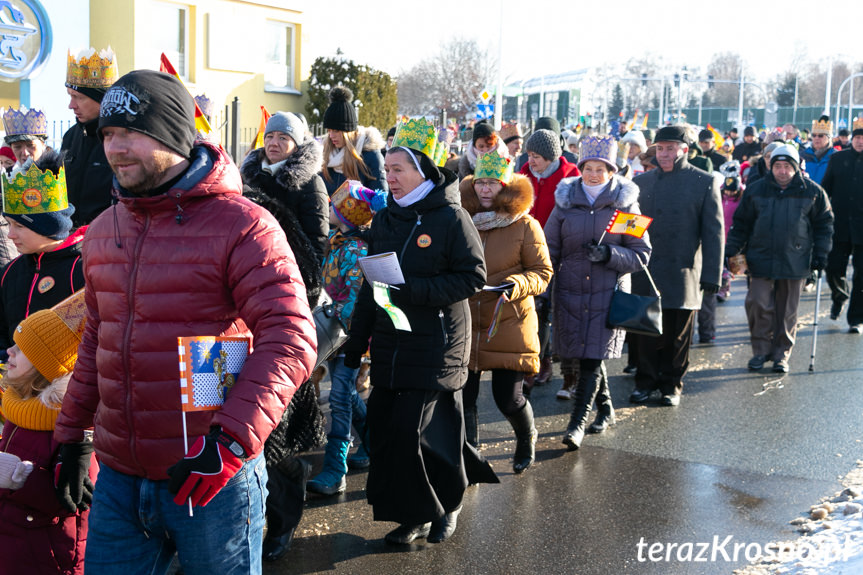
(582, 289)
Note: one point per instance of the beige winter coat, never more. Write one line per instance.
(516, 253)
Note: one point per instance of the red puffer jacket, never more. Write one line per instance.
(197, 260)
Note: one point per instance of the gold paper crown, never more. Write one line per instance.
(493, 166)
(20, 123)
(34, 192)
(857, 124)
(822, 127)
(92, 69)
(418, 135)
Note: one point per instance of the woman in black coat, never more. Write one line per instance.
(287, 169)
(420, 462)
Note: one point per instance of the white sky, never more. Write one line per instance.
(548, 36)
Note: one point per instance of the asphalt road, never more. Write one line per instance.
(742, 455)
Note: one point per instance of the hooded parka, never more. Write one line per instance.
(515, 253)
(582, 289)
(199, 259)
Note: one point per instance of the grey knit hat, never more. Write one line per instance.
(287, 123)
(544, 143)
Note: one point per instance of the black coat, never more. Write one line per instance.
(34, 282)
(743, 150)
(843, 182)
(782, 231)
(89, 179)
(298, 187)
(441, 257)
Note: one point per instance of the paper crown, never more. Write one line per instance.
(205, 104)
(857, 124)
(441, 153)
(509, 131)
(355, 204)
(25, 122)
(92, 69)
(493, 166)
(601, 148)
(50, 337)
(417, 134)
(822, 127)
(34, 191)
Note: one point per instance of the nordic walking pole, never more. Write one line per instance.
(815, 323)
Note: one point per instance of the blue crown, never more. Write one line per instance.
(25, 122)
(601, 148)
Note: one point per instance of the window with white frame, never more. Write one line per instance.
(279, 55)
(170, 34)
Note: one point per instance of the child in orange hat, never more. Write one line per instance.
(38, 534)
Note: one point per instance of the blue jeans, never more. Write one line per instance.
(135, 526)
(345, 403)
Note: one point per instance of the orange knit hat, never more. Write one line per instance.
(50, 337)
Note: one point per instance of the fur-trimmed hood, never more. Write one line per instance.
(300, 167)
(515, 198)
(373, 139)
(621, 193)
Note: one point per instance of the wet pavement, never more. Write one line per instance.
(742, 455)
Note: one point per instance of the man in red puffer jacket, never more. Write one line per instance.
(181, 254)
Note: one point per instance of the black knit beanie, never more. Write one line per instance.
(341, 114)
(155, 104)
(548, 123)
(482, 130)
(544, 143)
(93, 93)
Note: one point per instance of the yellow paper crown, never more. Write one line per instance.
(441, 153)
(34, 192)
(92, 69)
(493, 166)
(418, 135)
(822, 127)
(857, 124)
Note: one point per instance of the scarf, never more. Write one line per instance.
(471, 156)
(420, 192)
(552, 168)
(28, 413)
(492, 220)
(272, 169)
(593, 192)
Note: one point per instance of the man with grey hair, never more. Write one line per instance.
(687, 234)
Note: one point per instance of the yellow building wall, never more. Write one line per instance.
(124, 25)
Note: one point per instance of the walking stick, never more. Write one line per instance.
(815, 323)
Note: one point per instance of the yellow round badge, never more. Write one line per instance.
(31, 197)
(45, 284)
(424, 241)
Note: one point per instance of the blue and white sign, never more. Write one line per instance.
(484, 111)
(25, 39)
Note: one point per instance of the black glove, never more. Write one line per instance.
(709, 288)
(818, 264)
(598, 253)
(353, 360)
(208, 466)
(72, 476)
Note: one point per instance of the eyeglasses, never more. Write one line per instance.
(487, 184)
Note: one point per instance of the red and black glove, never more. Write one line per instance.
(208, 466)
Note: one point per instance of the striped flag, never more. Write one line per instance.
(209, 367)
(624, 223)
(201, 123)
(262, 127)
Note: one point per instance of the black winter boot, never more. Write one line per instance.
(525, 437)
(471, 426)
(585, 392)
(604, 409)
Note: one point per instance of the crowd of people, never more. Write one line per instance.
(498, 258)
